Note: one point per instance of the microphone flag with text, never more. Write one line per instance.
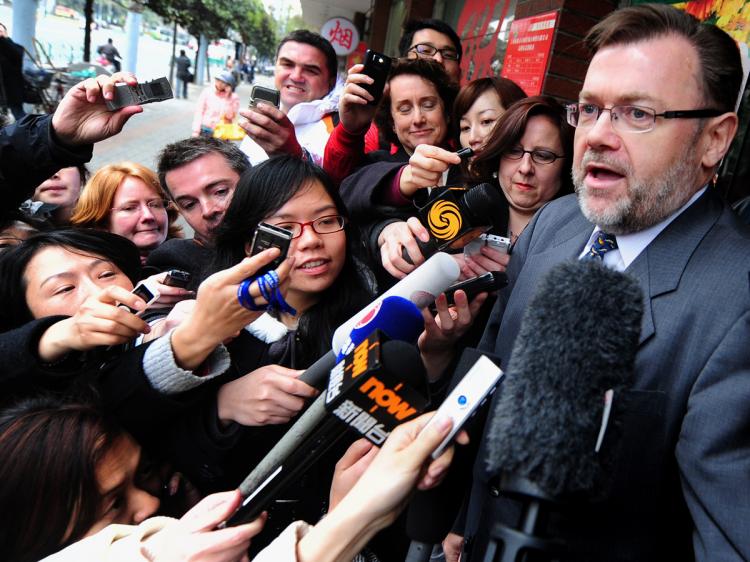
(397, 317)
(380, 384)
(454, 216)
(547, 438)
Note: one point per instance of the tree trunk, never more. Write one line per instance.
(88, 13)
(174, 51)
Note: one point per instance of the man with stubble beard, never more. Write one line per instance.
(200, 175)
(654, 118)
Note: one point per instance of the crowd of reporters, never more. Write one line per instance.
(112, 415)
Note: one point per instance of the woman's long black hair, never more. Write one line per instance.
(262, 191)
(14, 311)
(48, 485)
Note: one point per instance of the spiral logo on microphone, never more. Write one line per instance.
(444, 220)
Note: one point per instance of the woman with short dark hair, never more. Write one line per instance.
(529, 156)
(415, 115)
(479, 105)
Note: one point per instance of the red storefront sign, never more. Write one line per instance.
(357, 56)
(528, 50)
(479, 28)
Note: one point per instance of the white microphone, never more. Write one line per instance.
(422, 286)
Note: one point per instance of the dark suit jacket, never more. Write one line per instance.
(684, 469)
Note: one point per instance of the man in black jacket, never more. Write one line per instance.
(38, 145)
(11, 73)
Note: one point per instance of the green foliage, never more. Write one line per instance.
(298, 22)
(214, 18)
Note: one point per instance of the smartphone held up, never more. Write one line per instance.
(261, 94)
(377, 67)
(269, 236)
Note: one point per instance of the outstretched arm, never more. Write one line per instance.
(83, 118)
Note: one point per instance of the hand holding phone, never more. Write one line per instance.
(269, 236)
(141, 93)
(490, 281)
(177, 278)
(466, 398)
(500, 243)
(377, 67)
(147, 291)
(261, 94)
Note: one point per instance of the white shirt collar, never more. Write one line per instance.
(630, 246)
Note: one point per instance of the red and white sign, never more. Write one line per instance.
(342, 34)
(528, 51)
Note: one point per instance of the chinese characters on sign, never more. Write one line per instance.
(528, 51)
(356, 417)
(342, 34)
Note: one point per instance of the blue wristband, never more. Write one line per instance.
(244, 298)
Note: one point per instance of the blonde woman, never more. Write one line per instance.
(126, 199)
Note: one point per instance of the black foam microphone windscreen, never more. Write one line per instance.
(483, 204)
(578, 339)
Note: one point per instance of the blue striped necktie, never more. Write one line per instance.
(602, 244)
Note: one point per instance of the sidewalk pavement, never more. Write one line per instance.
(159, 124)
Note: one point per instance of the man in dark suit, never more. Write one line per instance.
(655, 117)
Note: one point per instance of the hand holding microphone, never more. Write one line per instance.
(271, 394)
(426, 168)
(379, 384)
(454, 216)
(421, 287)
(551, 445)
(400, 240)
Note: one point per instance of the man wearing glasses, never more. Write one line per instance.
(433, 39)
(356, 134)
(654, 119)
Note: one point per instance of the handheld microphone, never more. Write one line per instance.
(379, 385)
(316, 374)
(574, 352)
(422, 286)
(454, 216)
(397, 317)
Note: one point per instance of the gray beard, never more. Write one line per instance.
(649, 200)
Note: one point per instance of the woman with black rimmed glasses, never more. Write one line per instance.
(529, 155)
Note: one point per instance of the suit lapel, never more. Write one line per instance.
(661, 265)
